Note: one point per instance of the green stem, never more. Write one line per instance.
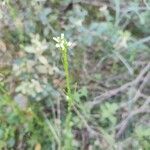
(63, 45)
(66, 68)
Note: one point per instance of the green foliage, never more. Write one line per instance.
(47, 96)
(108, 111)
(82, 93)
(143, 136)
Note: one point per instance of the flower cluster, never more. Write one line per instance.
(62, 43)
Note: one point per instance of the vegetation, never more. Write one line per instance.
(74, 75)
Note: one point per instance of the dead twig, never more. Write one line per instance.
(123, 125)
(138, 92)
(99, 99)
(98, 3)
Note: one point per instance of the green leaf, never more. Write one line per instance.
(84, 92)
(30, 49)
(43, 60)
(44, 14)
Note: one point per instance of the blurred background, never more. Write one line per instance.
(109, 66)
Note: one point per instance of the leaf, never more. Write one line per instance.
(1, 14)
(50, 70)
(77, 97)
(43, 60)
(30, 49)
(38, 146)
(42, 69)
(43, 15)
(21, 100)
(2, 47)
(84, 92)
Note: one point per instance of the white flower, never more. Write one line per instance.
(61, 42)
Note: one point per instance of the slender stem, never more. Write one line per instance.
(63, 45)
(66, 68)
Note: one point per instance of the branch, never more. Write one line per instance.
(99, 99)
